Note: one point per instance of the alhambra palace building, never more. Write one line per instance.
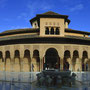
(48, 43)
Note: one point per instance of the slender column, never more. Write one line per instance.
(78, 65)
(21, 58)
(61, 63)
(61, 55)
(3, 60)
(12, 57)
(88, 64)
(41, 55)
(21, 49)
(31, 57)
(49, 30)
(85, 67)
(70, 63)
(73, 64)
(41, 63)
(80, 51)
(54, 30)
(21, 63)
(85, 61)
(12, 60)
(72, 60)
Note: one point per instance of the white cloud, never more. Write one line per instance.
(38, 6)
(32, 9)
(77, 7)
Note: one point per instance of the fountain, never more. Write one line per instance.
(56, 78)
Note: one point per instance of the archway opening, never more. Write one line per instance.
(36, 55)
(26, 54)
(36, 61)
(85, 61)
(7, 61)
(52, 59)
(1, 57)
(75, 55)
(7, 57)
(17, 63)
(7, 54)
(57, 31)
(26, 61)
(17, 54)
(75, 61)
(66, 62)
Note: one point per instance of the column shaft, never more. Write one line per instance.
(61, 64)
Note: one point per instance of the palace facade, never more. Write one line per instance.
(48, 43)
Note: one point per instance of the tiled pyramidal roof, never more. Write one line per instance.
(50, 13)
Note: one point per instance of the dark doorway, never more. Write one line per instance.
(52, 58)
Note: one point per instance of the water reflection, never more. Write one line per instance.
(22, 81)
(15, 86)
(28, 86)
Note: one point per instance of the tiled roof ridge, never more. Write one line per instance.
(50, 13)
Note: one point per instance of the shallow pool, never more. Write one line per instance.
(28, 86)
(25, 81)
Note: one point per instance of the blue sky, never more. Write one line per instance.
(17, 13)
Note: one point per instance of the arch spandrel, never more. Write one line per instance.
(17, 46)
(75, 48)
(7, 48)
(26, 46)
(2, 48)
(68, 47)
(36, 47)
(85, 48)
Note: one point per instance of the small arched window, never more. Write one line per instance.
(47, 30)
(57, 31)
(52, 30)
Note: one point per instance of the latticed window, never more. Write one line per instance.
(52, 30)
(47, 30)
(57, 31)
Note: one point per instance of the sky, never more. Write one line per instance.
(15, 14)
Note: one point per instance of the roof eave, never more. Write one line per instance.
(76, 31)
